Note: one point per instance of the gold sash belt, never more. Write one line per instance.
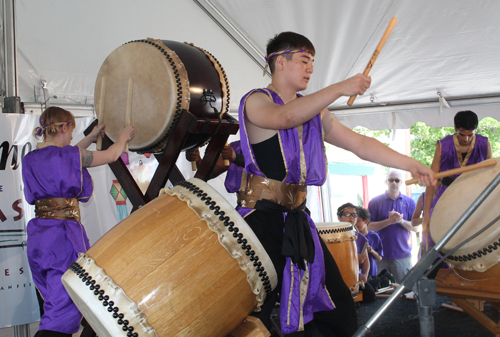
(288, 195)
(58, 208)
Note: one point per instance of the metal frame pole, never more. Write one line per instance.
(428, 259)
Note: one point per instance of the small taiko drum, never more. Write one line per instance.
(477, 259)
(147, 83)
(185, 264)
(340, 238)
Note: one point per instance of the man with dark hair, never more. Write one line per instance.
(463, 148)
(282, 135)
(465, 120)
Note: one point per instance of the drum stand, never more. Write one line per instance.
(425, 287)
(187, 125)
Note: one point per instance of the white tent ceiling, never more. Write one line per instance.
(451, 46)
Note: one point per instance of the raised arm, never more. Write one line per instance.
(265, 114)
(111, 154)
(91, 137)
(372, 150)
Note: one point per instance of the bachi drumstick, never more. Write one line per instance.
(483, 164)
(100, 118)
(375, 54)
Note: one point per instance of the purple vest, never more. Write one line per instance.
(311, 169)
(449, 158)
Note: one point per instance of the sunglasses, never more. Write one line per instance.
(354, 215)
(397, 180)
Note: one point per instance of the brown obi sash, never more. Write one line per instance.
(288, 195)
(58, 208)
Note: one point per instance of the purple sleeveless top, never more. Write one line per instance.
(449, 158)
(305, 164)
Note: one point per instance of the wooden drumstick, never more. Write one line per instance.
(100, 117)
(194, 166)
(483, 164)
(375, 54)
(128, 109)
(226, 161)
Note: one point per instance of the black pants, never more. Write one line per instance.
(342, 321)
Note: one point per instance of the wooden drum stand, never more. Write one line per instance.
(461, 291)
(167, 170)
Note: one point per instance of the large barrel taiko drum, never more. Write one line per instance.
(477, 259)
(185, 264)
(148, 83)
(340, 239)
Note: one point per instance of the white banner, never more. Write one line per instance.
(18, 302)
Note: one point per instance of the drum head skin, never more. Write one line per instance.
(149, 82)
(481, 253)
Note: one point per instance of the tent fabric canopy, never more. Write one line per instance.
(450, 46)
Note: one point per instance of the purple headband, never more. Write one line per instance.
(280, 53)
(43, 127)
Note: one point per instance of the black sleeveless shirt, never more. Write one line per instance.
(269, 158)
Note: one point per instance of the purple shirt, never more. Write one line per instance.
(54, 244)
(376, 244)
(395, 238)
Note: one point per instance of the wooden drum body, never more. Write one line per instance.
(148, 83)
(340, 238)
(185, 264)
(478, 259)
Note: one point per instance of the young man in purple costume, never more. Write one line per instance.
(282, 134)
(55, 181)
(461, 149)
